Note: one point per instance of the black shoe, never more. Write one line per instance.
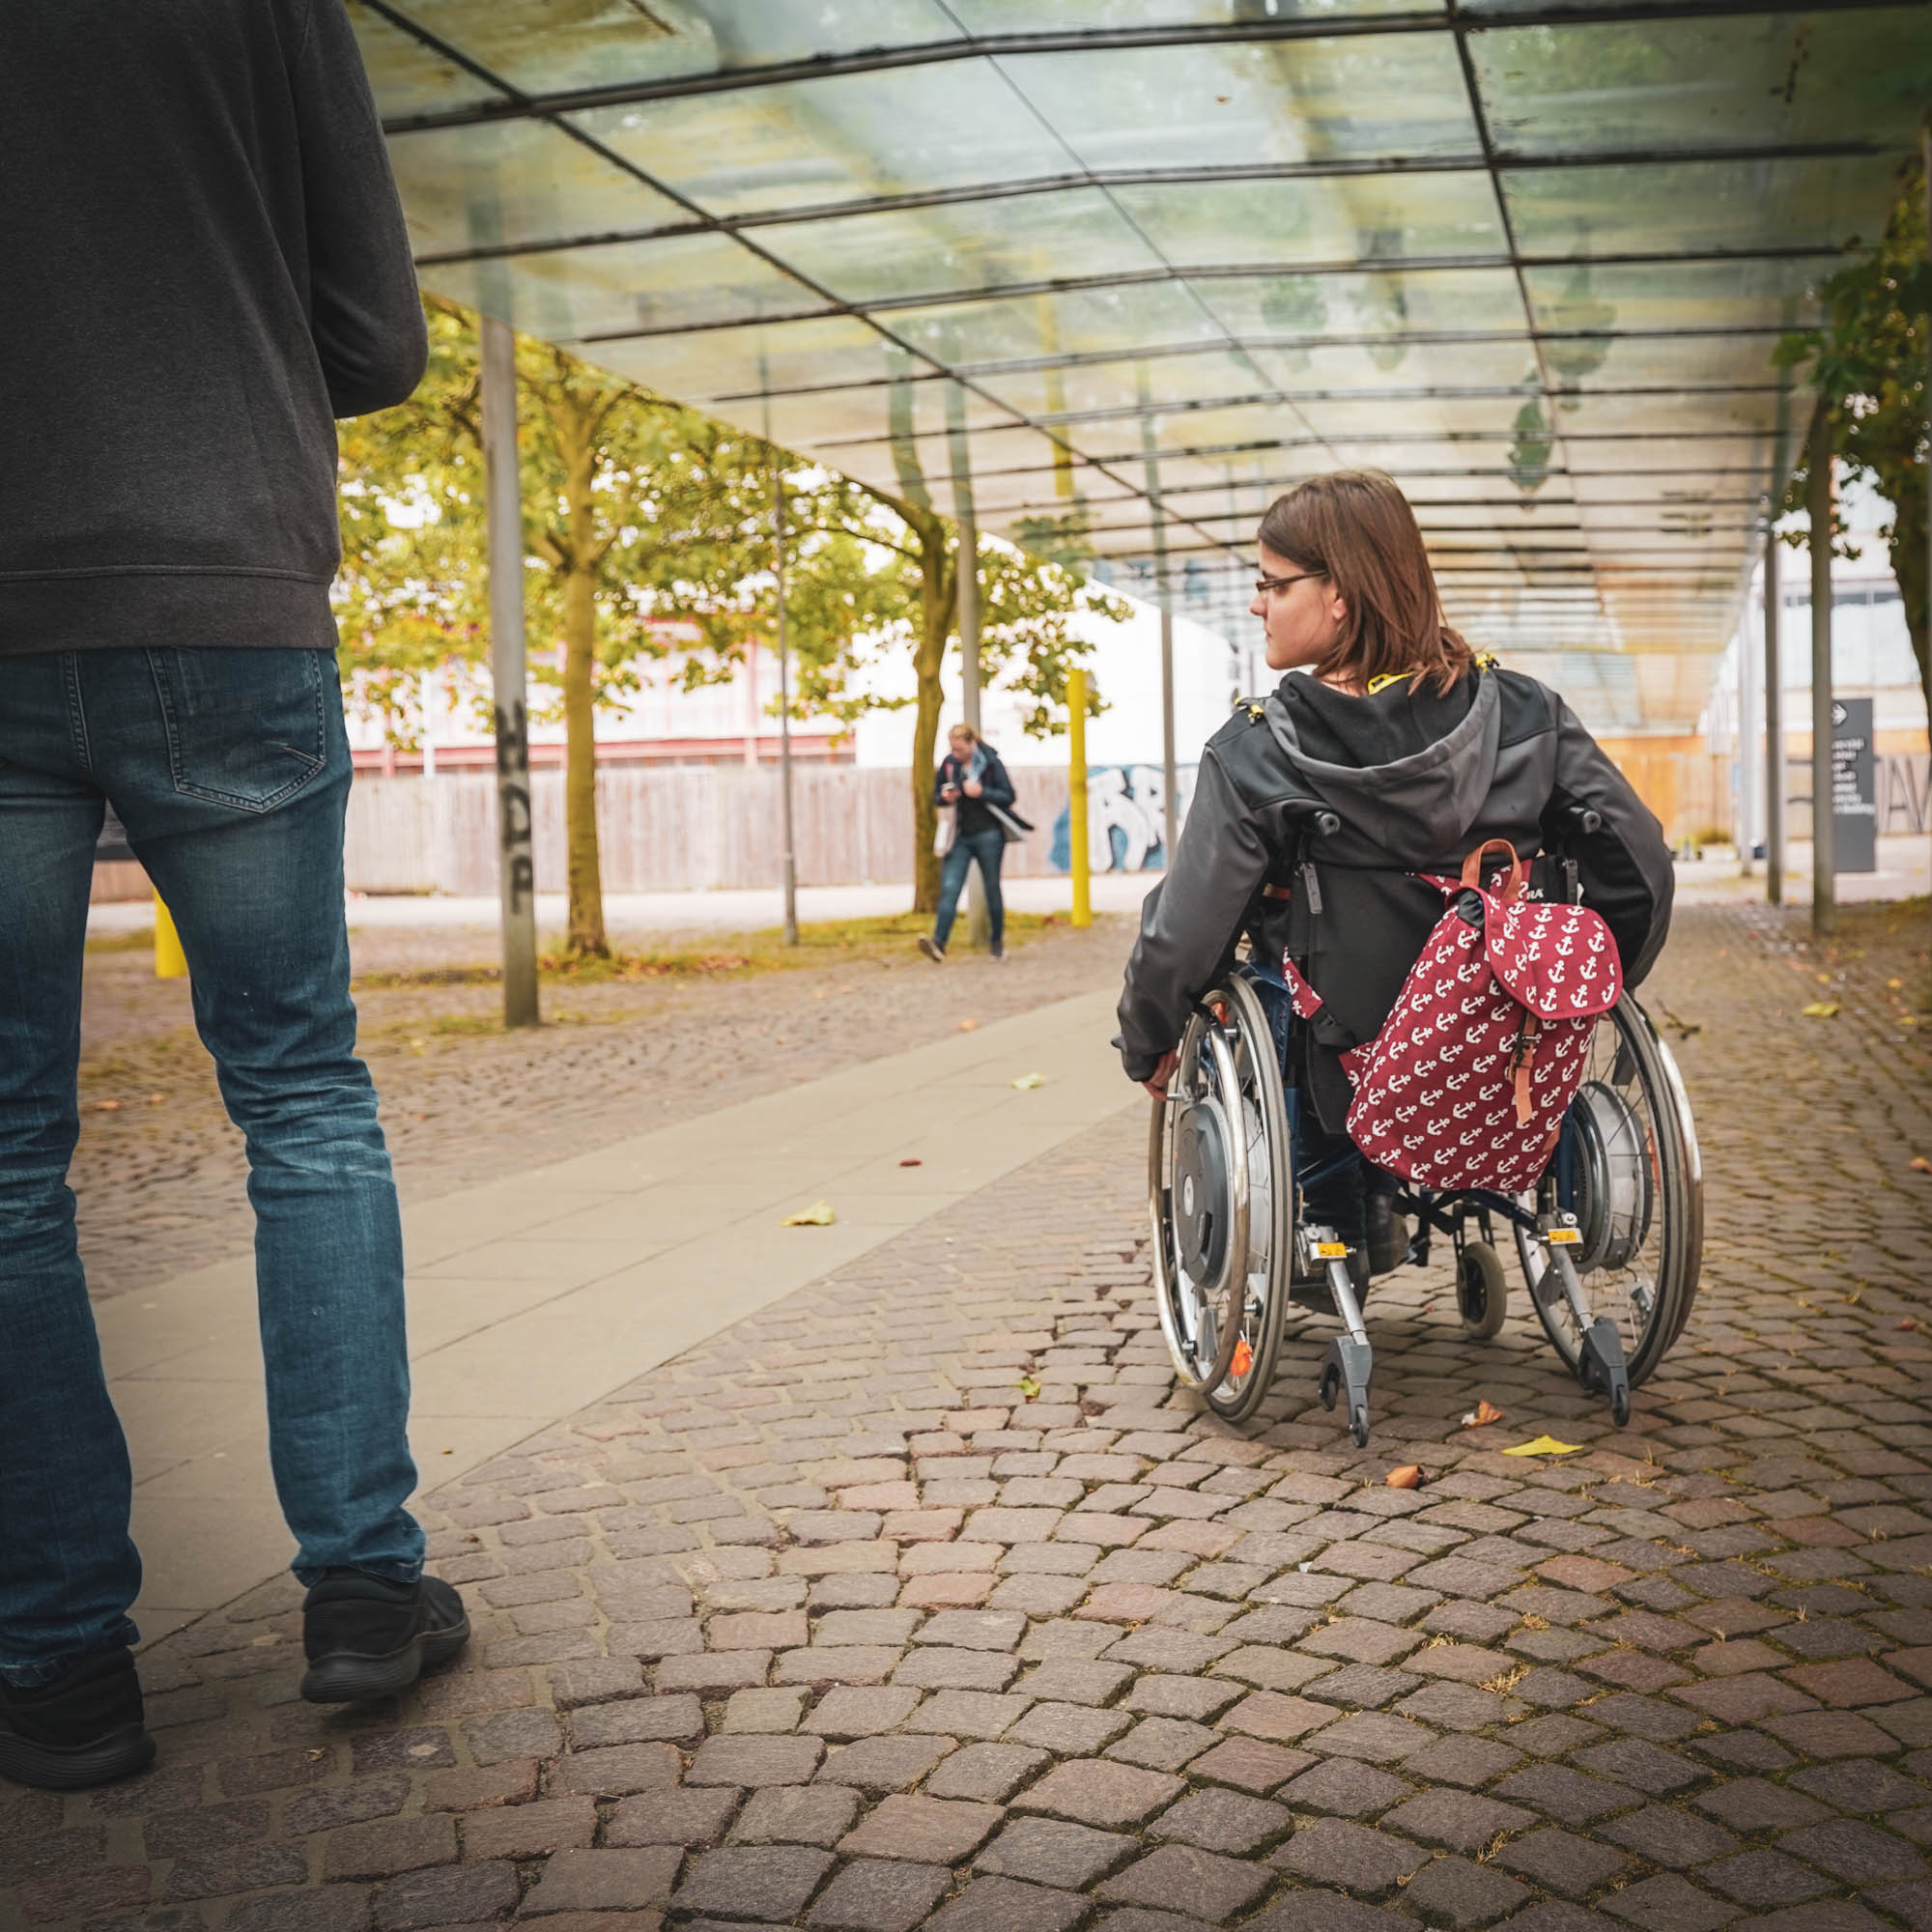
(1388, 1234)
(932, 948)
(85, 1727)
(365, 1636)
(998, 954)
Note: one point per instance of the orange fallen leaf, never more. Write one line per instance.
(912, 1163)
(107, 1106)
(157, 1100)
(1908, 1323)
(1921, 1165)
(1408, 1477)
(967, 1026)
(1244, 1357)
(1482, 1415)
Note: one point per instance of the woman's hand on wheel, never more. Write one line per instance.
(1156, 1082)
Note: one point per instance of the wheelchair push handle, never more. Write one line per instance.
(1317, 818)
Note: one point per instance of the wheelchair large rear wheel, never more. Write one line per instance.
(1627, 1166)
(1221, 1202)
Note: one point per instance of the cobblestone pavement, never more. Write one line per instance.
(162, 1184)
(833, 1624)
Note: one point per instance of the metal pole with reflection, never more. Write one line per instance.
(1774, 723)
(1824, 830)
(1170, 815)
(503, 510)
(979, 917)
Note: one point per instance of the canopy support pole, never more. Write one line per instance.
(1170, 813)
(979, 917)
(503, 510)
(790, 861)
(1824, 829)
(1774, 723)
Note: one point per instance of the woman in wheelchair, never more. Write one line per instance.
(1387, 756)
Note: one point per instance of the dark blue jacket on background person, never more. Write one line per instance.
(995, 788)
(203, 263)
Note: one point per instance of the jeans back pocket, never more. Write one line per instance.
(245, 727)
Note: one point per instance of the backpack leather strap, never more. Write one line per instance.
(1472, 867)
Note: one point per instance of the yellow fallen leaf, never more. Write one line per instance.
(967, 1026)
(1821, 1009)
(1029, 1387)
(1545, 1445)
(1028, 1081)
(818, 1216)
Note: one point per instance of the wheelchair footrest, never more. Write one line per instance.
(1348, 1366)
(1602, 1368)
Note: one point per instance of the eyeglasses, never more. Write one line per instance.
(1264, 585)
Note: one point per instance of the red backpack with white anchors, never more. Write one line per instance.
(1468, 1080)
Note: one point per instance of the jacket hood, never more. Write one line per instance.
(1417, 808)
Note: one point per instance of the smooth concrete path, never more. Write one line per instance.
(539, 1294)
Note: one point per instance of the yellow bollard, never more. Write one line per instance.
(170, 961)
(1076, 798)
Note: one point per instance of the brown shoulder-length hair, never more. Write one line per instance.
(1356, 528)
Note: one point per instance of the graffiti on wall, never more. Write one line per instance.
(1902, 787)
(1126, 811)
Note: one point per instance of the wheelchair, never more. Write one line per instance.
(1608, 1242)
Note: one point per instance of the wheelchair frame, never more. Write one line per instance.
(1230, 1242)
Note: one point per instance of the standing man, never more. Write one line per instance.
(205, 264)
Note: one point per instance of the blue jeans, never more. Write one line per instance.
(988, 847)
(230, 771)
(1329, 1169)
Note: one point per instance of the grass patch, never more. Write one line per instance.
(140, 940)
(721, 956)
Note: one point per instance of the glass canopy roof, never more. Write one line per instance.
(1161, 258)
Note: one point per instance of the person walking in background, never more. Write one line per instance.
(972, 784)
(206, 263)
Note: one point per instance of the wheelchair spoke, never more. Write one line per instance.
(1624, 1170)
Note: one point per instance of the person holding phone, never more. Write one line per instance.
(972, 784)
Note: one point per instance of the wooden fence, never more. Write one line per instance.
(695, 828)
(685, 828)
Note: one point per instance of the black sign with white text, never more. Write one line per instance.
(1853, 787)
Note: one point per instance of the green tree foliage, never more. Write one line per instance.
(649, 531)
(1868, 361)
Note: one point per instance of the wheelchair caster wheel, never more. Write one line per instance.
(1358, 1427)
(1331, 1382)
(1482, 1291)
(1602, 1370)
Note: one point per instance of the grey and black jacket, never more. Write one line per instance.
(996, 788)
(1418, 779)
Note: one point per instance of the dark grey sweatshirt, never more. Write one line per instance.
(202, 263)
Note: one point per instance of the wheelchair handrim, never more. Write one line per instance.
(1247, 1080)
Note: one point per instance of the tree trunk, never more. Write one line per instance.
(938, 596)
(1910, 566)
(583, 869)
